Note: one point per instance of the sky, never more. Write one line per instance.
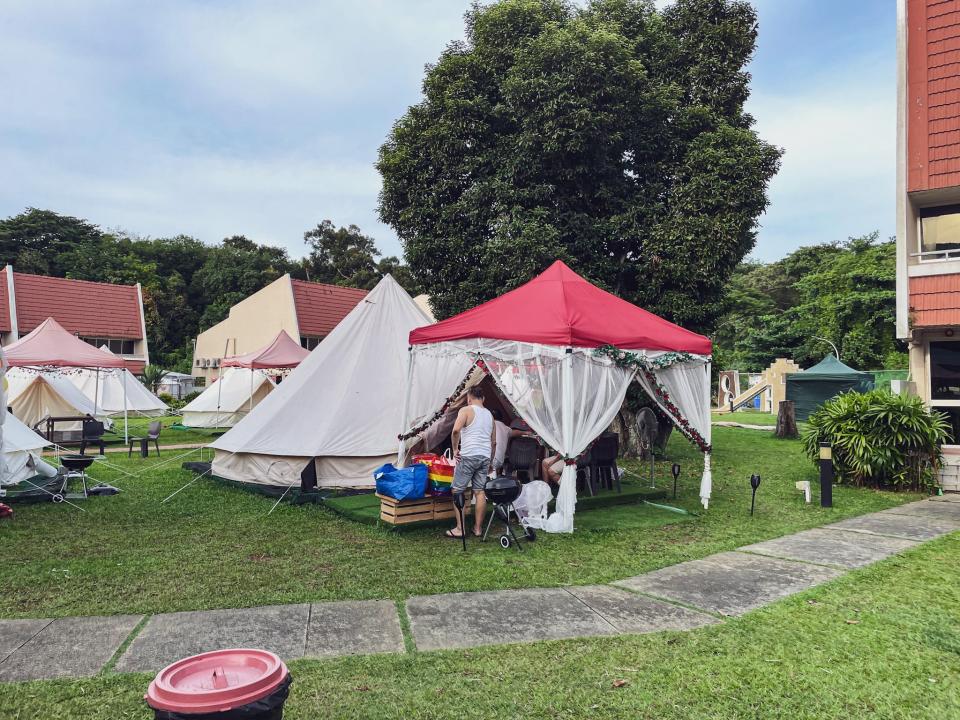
(220, 117)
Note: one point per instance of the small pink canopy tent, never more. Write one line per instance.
(50, 345)
(282, 352)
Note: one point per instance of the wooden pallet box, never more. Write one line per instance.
(403, 512)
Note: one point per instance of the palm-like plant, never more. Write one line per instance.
(153, 375)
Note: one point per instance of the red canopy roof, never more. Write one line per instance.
(283, 352)
(558, 307)
(51, 345)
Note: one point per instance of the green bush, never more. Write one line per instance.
(879, 439)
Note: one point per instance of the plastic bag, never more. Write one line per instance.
(440, 472)
(409, 483)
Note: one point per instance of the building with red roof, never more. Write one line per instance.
(306, 311)
(98, 313)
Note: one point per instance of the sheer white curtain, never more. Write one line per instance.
(567, 396)
(688, 385)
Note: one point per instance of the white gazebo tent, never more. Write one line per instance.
(115, 390)
(563, 352)
(339, 409)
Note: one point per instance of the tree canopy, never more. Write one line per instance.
(612, 136)
(844, 292)
(187, 285)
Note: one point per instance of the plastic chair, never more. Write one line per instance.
(153, 433)
(603, 461)
(522, 456)
(92, 434)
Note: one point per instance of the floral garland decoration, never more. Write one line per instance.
(446, 403)
(634, 361)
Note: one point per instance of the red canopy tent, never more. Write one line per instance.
(563, 352)
(50, 345)
(558, 307)
(283, 352)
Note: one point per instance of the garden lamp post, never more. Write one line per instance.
(826, 475)
(754, 483)
(676, 473)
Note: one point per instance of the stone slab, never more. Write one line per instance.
(832, 547)
(281, 629)
(953, 497)
(730, 583)
(69, 647)
(354, 628)
(929, 508)
(910, 527)
(632, 613)
(461, 620)
(14, 633)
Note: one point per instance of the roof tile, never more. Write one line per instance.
(320, 307)
(83, 307)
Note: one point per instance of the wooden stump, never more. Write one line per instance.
(787, 420)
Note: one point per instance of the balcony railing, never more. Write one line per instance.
(937, 255)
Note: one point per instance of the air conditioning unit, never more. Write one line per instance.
(198, 363)
(206, 363)
(216, 362)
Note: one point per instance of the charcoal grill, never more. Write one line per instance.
(76, 466)
(501, 492)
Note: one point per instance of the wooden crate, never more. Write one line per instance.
(403, 512)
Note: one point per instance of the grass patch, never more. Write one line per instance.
(213, 546)
(799, 658)
(747, 417)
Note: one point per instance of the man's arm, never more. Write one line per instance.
(455, 435)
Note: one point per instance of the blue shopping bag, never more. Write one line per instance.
(409, 483)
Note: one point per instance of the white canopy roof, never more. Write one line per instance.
(345, 399)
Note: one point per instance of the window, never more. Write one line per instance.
(309, 342)
(944, 371)
(117, 346)
(940, 229)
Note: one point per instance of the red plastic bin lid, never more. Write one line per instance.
(216, 681)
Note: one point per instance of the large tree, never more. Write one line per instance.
(612, 136)
(345, 256)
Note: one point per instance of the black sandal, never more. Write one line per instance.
(449, 534)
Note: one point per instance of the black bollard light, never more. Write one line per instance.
(754, 483)
(676, 473)
(826, 475)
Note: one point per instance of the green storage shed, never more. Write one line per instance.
(827, 379)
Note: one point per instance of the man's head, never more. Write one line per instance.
(475, 395)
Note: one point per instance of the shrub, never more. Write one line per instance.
(166, 398)
(879, 439)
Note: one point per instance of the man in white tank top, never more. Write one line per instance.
(474, 443)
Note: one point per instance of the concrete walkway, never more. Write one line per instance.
(680, 597)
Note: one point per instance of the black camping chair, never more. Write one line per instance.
(153, 433)
(522, 456)
(92, 434)
(584, 473)
(603, 461)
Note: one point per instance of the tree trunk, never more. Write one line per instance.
(624, 425)
(786, 420)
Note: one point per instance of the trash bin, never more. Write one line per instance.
(238, 684)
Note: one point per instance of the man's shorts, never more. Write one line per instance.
(470, 472)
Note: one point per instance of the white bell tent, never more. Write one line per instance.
(340, 408)
(20, 447)
(34, 395)
(228, 400)
(117, 389)
(564, 353)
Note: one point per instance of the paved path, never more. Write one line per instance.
(728, 423)
(681, 597)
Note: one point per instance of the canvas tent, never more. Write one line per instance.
(20, 447)
(115, 390)
(827, 379)
(235, 393)
(563, 352)
(339, 409)
(34, 395)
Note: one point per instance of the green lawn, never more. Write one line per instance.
(883, 643)
(747, 417)
(168, 436)
(214, 546)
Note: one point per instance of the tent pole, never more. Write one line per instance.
(96, 390)
(404, 422)
(250, 401)
(219, 389)
(126, 428)
(569, 476)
